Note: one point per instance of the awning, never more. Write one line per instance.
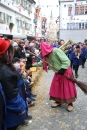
(7, 36)
(32, 1)
(30, 36)
(19, 36)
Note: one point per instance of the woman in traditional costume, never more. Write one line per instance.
(62, 90)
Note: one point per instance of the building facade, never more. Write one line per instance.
(73, 20)
(17, 17)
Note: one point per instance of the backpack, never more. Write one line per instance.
(2, 110)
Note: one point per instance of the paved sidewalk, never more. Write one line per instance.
(47, 118)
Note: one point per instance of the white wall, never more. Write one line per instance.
(14, 16)
(4, 28)
(74, 35)
(14, 7)
(64, 18)
(13, 11)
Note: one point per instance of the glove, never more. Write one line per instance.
(61, 71)
(28, 66)
(28, 63)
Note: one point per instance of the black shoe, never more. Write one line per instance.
(30, 104)
(28, 117)
(32, 98)
(76, 76)
(34, 95)
(73, 68)
(83, 66)
(29, 100)
(24, 123)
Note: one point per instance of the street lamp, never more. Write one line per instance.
(59, 21)
(35, 30)
(58, 25)
(35, 22)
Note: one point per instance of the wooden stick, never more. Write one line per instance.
(47, 63)
(44, 61)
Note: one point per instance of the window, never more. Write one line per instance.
(1, 16)
(81, 10)
(25, 4)
(20, 24)
(23, 24)
(82, 26)
(16, 1)
(70, 26)
(17, 22)
(80, 0)
(76, 10)
(30, 27)
(76, 25)
(5, 17)
(85, 8)
(85, 25)
(79, 25)
(26, 25)
(69, 11)
(73, 25)
(9, 19)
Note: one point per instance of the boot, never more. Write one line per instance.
(56, 104)
(70, 107)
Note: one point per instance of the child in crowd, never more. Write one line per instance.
(20, 67)
(83, 55)
(77, 59)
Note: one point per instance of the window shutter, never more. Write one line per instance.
(24, 24)
(20, 24)
(7, 17)
(16, 1)
(29, 26)
(4, 17)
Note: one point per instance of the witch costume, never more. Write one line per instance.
(62, 90)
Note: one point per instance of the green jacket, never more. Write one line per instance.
(57, 58)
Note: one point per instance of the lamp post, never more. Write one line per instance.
(35, 30)
(35, 22)
(59, 21)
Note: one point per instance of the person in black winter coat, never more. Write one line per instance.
(21, 48)
(13, 87)
(17, 50)
(1, 111)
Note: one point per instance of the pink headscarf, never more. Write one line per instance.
(46, 49)
(22, 64)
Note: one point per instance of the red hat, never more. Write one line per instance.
(4, 45)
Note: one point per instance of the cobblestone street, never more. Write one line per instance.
(47, 118)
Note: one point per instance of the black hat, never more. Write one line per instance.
(77, 46)
(15, 59)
